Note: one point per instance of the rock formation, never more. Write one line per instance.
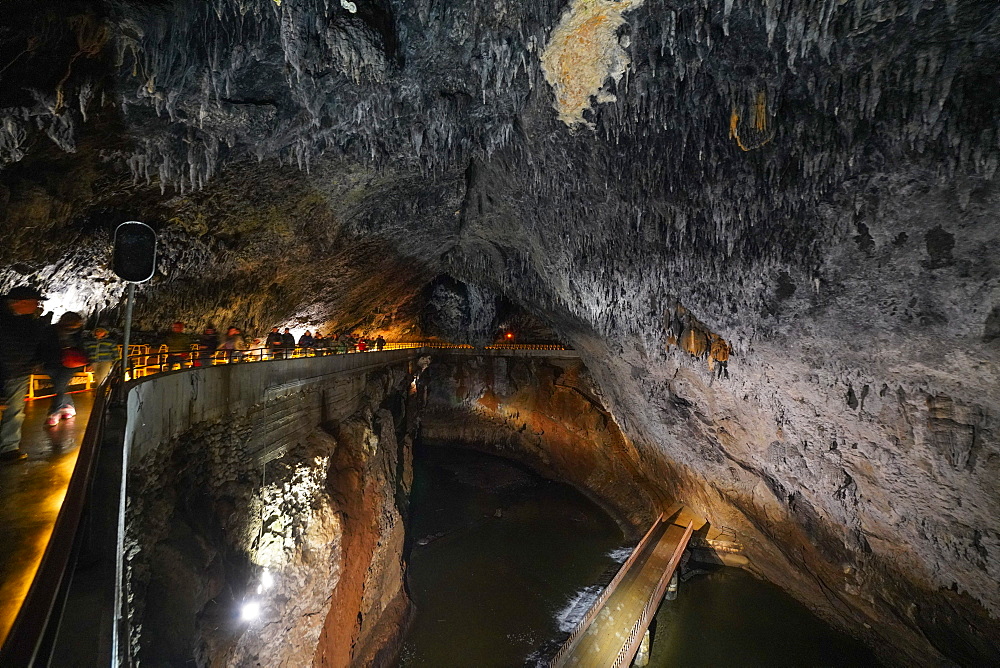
(312, 535)
(811, 181)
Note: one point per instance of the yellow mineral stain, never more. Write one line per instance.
(762, 131)
(582, 53)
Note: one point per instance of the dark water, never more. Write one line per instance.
(490, 591)
(730, 618)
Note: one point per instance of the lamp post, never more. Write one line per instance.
(134, 261)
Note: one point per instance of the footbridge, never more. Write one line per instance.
(610, 633)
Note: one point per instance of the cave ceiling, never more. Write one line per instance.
(504, 143)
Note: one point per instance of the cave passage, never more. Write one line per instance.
(503, 563)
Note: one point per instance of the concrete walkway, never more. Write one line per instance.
(31, 494)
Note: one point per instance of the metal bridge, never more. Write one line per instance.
(610, 633)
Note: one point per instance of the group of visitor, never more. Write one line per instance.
(62, 350)
(283, 344)
(185, 349)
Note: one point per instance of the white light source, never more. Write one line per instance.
(266, 579)
(250, 611)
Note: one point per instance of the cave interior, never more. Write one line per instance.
(770, 228)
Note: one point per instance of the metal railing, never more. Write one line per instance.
(526, 346)
(33, 634)
(595, 607)
(145, 362)
(631, 645)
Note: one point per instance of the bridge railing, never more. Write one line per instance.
(147, 362)
(628, 650)
(584, 623)
(144, 360)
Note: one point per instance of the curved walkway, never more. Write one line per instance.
(31, 495)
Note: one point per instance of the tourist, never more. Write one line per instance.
(67, 336)
(22, 347)
(207, 345)
(178, 346)
(380, 343)
(306, 342)
(233, 345)
(102, 352)
(273, 343)
(288, 343)
(320, 343)
(720, 355)
(362, 344)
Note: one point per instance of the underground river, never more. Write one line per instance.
(502, 562)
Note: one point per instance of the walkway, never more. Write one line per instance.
(31, 494)
(609, 635)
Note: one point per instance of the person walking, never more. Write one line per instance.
(178, 346)
(102, 352)
(380, 343)
(207, 345)
(22, 347)
(319, 344)
(233, 345)
(720, 355)
(67, 335)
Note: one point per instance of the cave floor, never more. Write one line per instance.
(31, 495)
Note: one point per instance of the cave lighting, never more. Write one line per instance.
(509, 336)
(266, 579)
(250, 611)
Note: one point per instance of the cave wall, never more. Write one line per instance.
(855, 439)
(544, 410)
(308, 483)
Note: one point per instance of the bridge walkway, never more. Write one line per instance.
(609, 635)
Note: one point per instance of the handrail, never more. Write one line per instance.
(628, 650)
(143, 358)
(146, 363)
(526, 346)
(31, 637)
(595, 607)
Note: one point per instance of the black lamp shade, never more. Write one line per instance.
(135, 252)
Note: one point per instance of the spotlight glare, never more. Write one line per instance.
(266, 579)
(250, 611)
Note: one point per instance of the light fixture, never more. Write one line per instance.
(250, 611)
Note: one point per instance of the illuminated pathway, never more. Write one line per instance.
(609, 635)
(31, 494)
